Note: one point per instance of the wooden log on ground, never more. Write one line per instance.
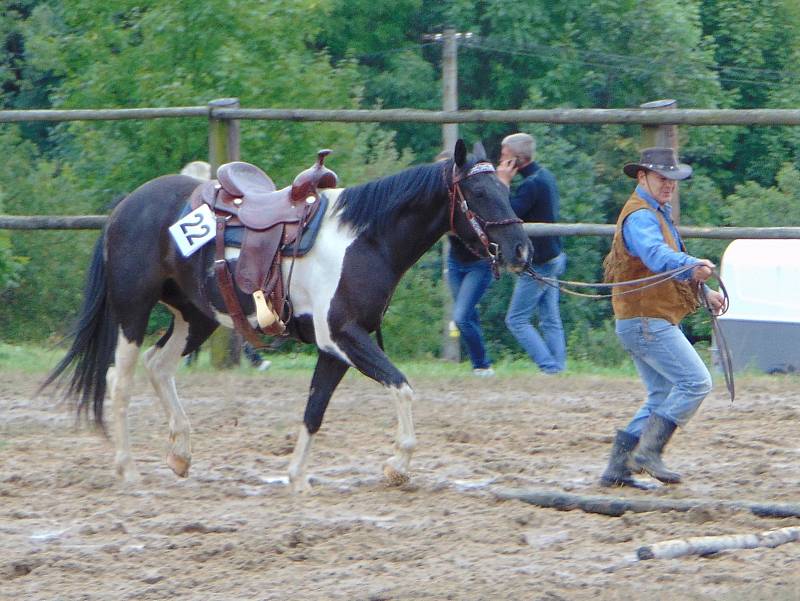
(708, 545)
(617, 506)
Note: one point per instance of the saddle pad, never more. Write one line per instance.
(309, 235)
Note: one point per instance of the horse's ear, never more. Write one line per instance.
(478, 151)
(460, 154)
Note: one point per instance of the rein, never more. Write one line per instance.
(490, 249)
(654, 280)
(649, 281)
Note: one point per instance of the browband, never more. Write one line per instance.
(482, 167)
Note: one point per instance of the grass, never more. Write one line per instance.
(37, 359)
(28, 358)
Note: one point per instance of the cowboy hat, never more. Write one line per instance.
(663, 161)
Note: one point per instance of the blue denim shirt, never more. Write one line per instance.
(643, 239)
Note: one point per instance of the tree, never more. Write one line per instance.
(132, 54)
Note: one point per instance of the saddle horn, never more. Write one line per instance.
(316, 177)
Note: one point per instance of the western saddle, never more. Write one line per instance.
(244, 196)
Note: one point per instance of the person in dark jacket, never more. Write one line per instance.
(535, 199)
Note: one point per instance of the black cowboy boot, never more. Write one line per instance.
(655, 436)
(618, 473)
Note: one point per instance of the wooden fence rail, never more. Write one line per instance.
(563, 116)
(94, 222)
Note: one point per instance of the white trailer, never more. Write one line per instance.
(762, 326)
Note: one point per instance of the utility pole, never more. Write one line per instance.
(664, 136)
(451, 345)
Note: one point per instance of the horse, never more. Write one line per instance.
(339, 291)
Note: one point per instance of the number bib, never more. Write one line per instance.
(193, 231)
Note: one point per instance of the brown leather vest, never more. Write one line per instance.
(670, 300)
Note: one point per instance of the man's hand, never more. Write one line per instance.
(715, 300)
(702, 271)
(506, 170)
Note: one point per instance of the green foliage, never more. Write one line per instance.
(413, 322)
(754, 205)
(47, 289)
(596, 344)
(10, 266)
(362, 54)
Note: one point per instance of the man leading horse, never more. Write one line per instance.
(646, 242)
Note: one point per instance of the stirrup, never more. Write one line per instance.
(265, 315)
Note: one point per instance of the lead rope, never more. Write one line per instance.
(654, 280)
(723, 350)
(649, 281)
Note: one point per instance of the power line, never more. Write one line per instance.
(621, 62)
(559, 50)
(395, 50)
(773, 78)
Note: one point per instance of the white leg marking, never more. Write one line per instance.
(161, 365)
(297, 466)
(396, 468)
(120, 380)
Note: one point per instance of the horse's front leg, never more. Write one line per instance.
(327, 375)
(364, 353)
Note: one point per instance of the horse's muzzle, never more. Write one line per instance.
(519, 259)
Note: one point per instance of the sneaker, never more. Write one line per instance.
(264, 365)
(483, 372)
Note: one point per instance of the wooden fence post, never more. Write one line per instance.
(223, 147)
(664, 136)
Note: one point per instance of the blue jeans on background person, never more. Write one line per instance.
(673, 373)
(468, 283)
(548, 349)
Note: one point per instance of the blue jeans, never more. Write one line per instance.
(548, 349)
(468, 283)
(675, 377)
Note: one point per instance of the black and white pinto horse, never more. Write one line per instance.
(339, 292)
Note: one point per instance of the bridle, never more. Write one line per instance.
(489, 249)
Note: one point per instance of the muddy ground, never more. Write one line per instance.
(232, 530)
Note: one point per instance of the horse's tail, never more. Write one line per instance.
(94, 339)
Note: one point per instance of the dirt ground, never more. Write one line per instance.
(232, 530)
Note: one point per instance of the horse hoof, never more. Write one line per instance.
(300, 486)
(393, 476)
(128, 475)
(125, 469)
(179, 465)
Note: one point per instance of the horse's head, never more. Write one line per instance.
(481, 214)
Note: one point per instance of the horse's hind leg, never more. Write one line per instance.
(327, 375)
(161, 362)
(119, 380)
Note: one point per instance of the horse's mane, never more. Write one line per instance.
(373, 206)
